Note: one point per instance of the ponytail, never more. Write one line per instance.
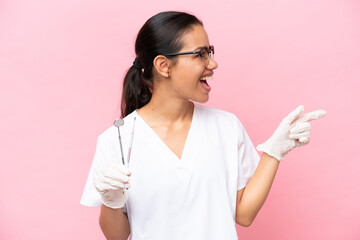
(136, 92)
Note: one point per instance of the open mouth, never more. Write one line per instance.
(204, 83)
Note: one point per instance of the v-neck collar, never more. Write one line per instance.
(187, 141)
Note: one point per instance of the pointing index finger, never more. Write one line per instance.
(314, 115)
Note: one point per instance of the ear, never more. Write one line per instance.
(162, 65)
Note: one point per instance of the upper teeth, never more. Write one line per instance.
(206, 78)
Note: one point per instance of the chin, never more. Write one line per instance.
(201, 100)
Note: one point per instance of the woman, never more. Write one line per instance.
(193, 169)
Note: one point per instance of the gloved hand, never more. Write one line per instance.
(110, 181)
(293, 131)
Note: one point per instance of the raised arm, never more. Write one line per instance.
(293, 131)
(250, 199)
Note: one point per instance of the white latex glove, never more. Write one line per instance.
(110, 181)
(293, 131)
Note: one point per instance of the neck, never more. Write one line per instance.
(167, 111)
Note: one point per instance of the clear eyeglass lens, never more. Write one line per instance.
(205, 55)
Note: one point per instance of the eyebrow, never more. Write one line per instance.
(200, 48)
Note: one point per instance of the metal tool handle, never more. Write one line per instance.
(118, 123)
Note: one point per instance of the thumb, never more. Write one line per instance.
(294, 114)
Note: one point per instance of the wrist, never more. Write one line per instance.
(270, 151)
(270, 158)
(114, 199)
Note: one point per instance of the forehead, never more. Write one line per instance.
(194, 38)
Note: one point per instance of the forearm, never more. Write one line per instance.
(257, 190)
(114, 223)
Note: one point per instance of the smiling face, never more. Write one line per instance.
(190, 75)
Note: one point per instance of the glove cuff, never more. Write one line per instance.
(268, 150)
(114, 198)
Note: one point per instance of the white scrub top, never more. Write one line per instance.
(189, 198)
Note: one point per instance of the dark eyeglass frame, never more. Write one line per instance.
(210, 50)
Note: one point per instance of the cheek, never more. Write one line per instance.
(189, 71)
(194, 71)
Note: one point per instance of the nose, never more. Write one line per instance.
(212, 64)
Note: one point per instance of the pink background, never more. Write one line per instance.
(61, 67)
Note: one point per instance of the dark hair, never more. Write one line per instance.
(161, 34)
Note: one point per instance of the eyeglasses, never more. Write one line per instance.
(205, 53)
